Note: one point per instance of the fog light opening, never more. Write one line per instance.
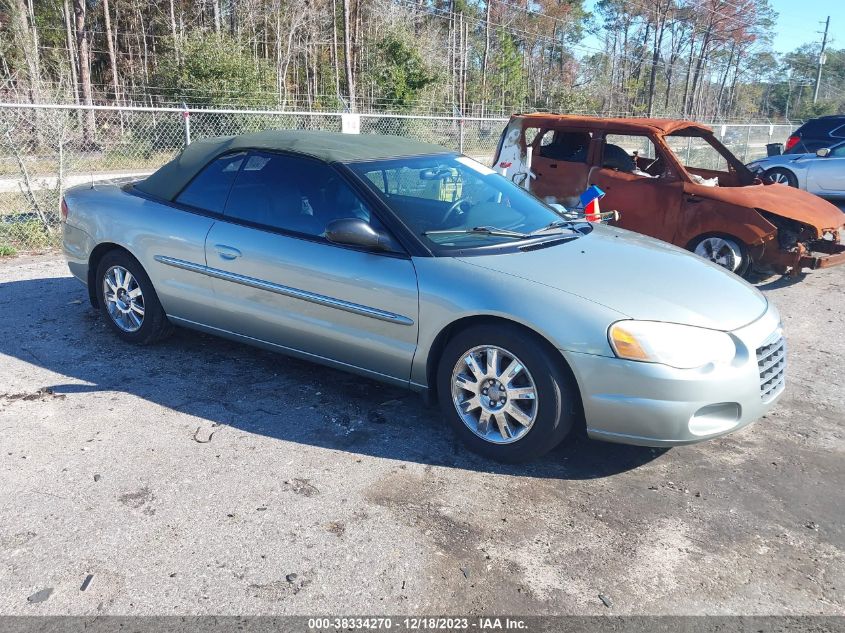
(715, 418)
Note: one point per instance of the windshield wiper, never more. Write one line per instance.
(480, 230)
(555, 224)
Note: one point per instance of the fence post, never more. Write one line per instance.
(186, 117)
(747, 143)
(461, 135)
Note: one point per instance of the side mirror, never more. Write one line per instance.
(356, 232)
(824, 151)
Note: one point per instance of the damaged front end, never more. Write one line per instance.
(800, 246)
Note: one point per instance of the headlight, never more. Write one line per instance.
(681, 346)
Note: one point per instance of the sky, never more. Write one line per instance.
(798, 21)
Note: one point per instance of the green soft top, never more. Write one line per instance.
(170, 179)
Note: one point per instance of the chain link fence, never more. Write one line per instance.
(46, 149)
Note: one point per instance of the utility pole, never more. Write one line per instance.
(821, 61)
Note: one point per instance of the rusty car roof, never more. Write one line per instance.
(621, 124)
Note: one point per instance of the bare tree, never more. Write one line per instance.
(347, 52)
(111, 47)
(84, 61)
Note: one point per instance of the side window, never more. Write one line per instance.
(293, 194)
(566, 146)
(530, 134)
(631, 153)
(209, 189)
(838, 152)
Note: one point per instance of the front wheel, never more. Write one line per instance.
(128, 301)
(504, 394)
(781, 176)
(727, 252)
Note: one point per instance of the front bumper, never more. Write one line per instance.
(816, 254)
(648, 404)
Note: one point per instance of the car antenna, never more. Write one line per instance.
(92, 180)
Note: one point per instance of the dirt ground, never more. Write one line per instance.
(201, 476)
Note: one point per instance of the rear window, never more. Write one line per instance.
(822, 127)
(210, 188)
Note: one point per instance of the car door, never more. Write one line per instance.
(648, 204)
(828, 173)
(277, 279)
(559, 162)
(173, 246)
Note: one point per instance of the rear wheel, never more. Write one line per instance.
(781, 176)
(504, 394)
(727, 252)
(128, 301)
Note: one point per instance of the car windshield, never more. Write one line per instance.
(455, 202)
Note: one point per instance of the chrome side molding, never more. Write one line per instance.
(286, 291)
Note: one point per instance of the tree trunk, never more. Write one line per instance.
(84, 72)
(173, 31)
(660, 27)
(112, 56)
(71, 49)
(335, 52)
(486, 58)
(215, 8)
(689, 72)
(347, 51)
(724, 81)
(29, 44)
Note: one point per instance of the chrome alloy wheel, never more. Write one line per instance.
(124, 299)
(494, 394)
(779, 177)
(720, 250)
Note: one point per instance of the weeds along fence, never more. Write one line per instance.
(45, 149)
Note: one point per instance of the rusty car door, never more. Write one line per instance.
(648, 204)
(560, 176)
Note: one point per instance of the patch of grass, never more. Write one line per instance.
(27, 234)
(7, 250)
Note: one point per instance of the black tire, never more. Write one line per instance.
(784, 176)
(154, 325)
(743, 268)
(557, 402)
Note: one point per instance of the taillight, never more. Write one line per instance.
(64, 210)
(791, 142)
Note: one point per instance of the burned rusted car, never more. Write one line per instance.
(675, 181)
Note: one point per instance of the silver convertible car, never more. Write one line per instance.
(821, 172)
(407, 263)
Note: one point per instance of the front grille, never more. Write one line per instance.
(771, 361)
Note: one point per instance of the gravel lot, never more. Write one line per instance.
(201, 476)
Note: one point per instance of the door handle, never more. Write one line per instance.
(694, 199)
(227, 252)
(553, 165)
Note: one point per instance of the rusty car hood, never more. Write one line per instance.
(781, 200)
(637, 276)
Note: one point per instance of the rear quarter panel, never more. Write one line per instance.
(145, 228)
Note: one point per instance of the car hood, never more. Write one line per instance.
(781, 200)
(638, 276)
(780, 159)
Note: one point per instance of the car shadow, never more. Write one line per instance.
(49, 323)
(782, 281)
